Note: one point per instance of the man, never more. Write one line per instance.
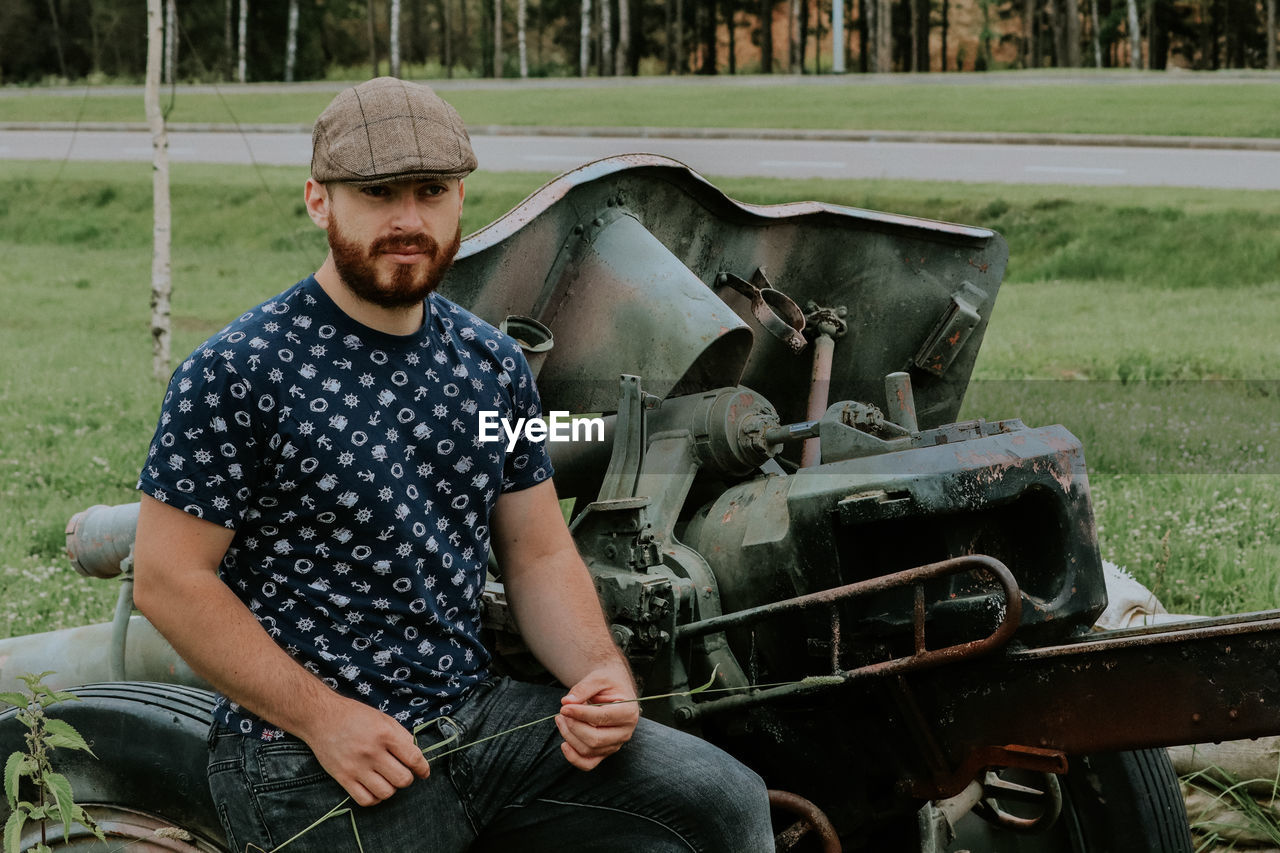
(317, 516)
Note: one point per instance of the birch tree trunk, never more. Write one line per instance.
(394, 37)
(291, 42)
(242, 63)
(584, 39)
(622, 61)
(1135, 37)
(837, 36)
(522, 37)
(170, 41)
(1097, 37)
(606, 37)
(497, 39)
(161, 284)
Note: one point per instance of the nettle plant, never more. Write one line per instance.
(53, 800)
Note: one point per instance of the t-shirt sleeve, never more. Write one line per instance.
(204, 455)
(528, 463)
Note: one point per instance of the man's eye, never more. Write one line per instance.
(374, 192)
(433, 189)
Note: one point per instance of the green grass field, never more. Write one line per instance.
(1141, 319)
(1177, 109)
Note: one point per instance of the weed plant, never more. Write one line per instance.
(1163, 361)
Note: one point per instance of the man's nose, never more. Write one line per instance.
(405, 213)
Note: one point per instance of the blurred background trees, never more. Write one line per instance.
(260, 40)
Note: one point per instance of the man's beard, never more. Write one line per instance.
(409, 284)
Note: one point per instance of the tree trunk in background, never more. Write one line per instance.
(1071, 12)
(915, 35)
(884, 36)
(393, 39)
(1058, 24)
(766, 36)
(464, 36)
(522, 36)
(498, 63)
(622, 62)
(373, 37)
(793, 35)
(708, 13)
(291, 42)
(57, 38)
(1097, 37)
(730, 15)
(803, 24)
(606, 38)
(681, 65)
(837, 37)
(242, 70)
(446, 35)
(228, 33)
(584, 39)
(1028, 33)
(1135, 37)
(170, 41)
(946, 25)
(161, 282)
(1271, 35)
(922, 46)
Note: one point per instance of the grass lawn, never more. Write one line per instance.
(1177, 109)
(1141, 319)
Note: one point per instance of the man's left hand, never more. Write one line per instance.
(596, 718)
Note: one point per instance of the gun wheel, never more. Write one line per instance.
(1122, 802)
(147, 787)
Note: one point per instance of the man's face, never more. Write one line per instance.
(393, 243)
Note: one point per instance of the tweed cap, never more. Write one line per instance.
(387, 130)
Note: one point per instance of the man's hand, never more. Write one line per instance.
(592, 728)
(367, 753)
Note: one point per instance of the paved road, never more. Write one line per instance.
(1042, 164)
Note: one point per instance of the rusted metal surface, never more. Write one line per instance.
(561, 254)
(1155, 687)
(922, 657)
(100, 538)
(812, 819)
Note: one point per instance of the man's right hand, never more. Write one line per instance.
(366, 752)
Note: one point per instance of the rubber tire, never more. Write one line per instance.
(1122, 802)
(151, 743)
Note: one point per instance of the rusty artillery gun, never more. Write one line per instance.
(898, 607)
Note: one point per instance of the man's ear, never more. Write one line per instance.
(462, 190)
(318, 202)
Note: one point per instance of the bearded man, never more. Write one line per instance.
(316, 523)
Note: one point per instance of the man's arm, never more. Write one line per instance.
(176, 559)
(555, 606)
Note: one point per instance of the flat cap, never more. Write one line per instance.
(386, 130)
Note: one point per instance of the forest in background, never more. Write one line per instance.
(50, 41)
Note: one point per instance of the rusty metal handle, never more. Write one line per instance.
(921, 658)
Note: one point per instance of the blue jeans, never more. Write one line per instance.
(663, 791)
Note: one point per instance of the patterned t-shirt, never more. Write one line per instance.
(349, 464)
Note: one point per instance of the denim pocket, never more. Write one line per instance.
(288, 763)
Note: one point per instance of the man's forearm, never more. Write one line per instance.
(222, 641)
(556, 608)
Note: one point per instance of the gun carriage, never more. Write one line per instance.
(898, 608)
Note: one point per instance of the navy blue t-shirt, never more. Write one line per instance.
(349, 464)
